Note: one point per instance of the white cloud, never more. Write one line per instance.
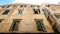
(37, 1)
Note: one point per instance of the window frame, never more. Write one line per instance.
(40, 25)
(12, 25)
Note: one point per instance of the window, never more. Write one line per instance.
(36, 11)
(48, 6)
(15, 25)
(58, 16)
(20, 12)
(1, 20)
(32, 6)
(22, 6)
(6, 12)
(40, 25)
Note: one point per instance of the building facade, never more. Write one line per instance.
(28, 18)
(52, 12)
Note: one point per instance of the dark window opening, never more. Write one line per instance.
(48, 5)
(38, 6)
(40, 25)
(1, 20)
(21, 5)
(15, 25)
(20, 12)
(36, 11)
(32, 6)
(56, 31)
(6, 12)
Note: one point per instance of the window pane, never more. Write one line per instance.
(6, 12)
(40, 26)
(36, 11)
(20, 12)
(15, 25)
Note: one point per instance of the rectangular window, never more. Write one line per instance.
(20, 12)
(15, 25)
(36, 11)
(6, 12)
(40, 25)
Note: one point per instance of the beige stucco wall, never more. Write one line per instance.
(27, 23)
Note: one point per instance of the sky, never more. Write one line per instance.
(38, 2)
(6, 1)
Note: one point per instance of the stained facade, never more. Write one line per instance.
(27, 18)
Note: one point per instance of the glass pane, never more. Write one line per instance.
(14, 26)
(20, 12)
(6, 12)
(40, 26)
